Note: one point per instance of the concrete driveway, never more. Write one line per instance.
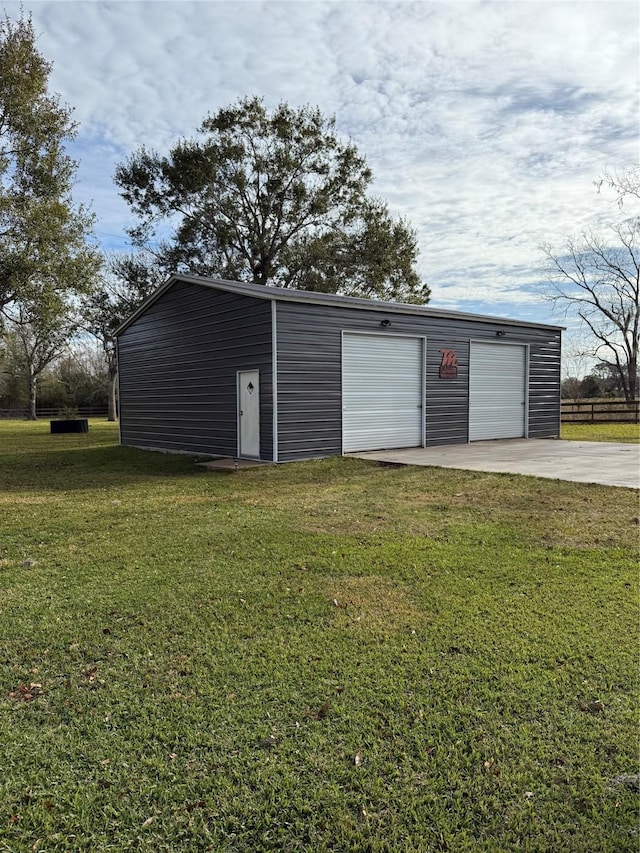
(605, 463)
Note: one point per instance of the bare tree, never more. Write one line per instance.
(577, 360)
(625, 186)
(80, 372)
(42, 339)
(126, 282)
(597, 279)
(571, 388)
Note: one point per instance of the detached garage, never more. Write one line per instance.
(222, 368)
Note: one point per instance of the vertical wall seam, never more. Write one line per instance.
(274, 378)
(424, 391)
(118, 403)
(469, 391)
(559, 377)
(237, 414)
(342, 392)
(527, 371)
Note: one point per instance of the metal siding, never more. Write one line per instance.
(177, 371)
(447, 400)
(544, 384)
(178, 361)
(382, 390)
(309, 376)
(497, 391)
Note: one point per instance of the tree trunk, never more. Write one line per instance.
(113, 376)
(632, 374)
(33, 381)
(628, 380)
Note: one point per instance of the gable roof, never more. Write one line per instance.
(283, 294)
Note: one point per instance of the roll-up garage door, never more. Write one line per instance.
(497, 391)
(382, 392)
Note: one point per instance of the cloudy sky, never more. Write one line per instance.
(485, 124)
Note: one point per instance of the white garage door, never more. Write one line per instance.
(382, 392)
(497, 391)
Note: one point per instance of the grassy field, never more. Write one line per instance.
(628, 433)
(325, 656)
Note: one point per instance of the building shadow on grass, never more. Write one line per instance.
(33, 460)
(72, 468)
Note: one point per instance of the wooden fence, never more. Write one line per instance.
(20, 413)
(572, 411)
(599, 411)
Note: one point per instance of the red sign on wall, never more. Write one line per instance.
(449, 364)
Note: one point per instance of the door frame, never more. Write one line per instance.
(239, 374)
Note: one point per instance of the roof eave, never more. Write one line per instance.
(280, 294)
(157, 293)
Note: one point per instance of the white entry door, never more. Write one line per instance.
(249, 414)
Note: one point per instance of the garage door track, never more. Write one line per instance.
(606, 463)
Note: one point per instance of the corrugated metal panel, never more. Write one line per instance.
(179, 358)
(447, 401)
(544, 386)
(178, 362)
(317, 299)
(382, 392)
(497, 391)
(309, 375)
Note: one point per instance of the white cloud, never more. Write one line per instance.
(485, 123)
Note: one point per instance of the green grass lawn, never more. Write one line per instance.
(323, 656)
(628, 433)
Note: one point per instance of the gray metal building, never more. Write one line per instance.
(217, 367)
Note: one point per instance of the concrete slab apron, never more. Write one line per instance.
(606, 463)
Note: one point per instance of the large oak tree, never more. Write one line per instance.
(272, 198)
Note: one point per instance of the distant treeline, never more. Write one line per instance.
(77, 379)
